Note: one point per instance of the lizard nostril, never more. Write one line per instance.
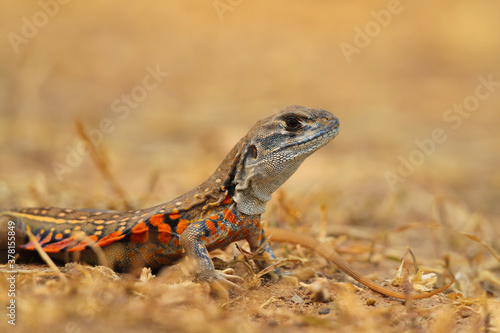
(329, 120)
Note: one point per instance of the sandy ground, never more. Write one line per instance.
(166, 89)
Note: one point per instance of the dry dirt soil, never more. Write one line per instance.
(416, 86)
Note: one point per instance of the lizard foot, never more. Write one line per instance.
(221, 282)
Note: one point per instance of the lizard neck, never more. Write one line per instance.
(252, 191)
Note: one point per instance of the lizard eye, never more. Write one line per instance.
(253, 151)
(292, 123)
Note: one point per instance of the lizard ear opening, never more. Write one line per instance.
(252, 150)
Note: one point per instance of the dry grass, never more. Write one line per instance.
(224, 76)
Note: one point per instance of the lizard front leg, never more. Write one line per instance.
(260, 246)
(213, 232)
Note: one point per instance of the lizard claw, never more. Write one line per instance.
(229, 277)
(221, 282)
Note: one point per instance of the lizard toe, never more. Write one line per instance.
(221, 282)
(230, 276)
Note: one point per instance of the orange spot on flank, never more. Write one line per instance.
(45, 240)
(174, 215)
(181, 226)
(110, 239)
(156, 220)
(57, 247)
(139, 233)
(59, 236)
(164, 233)
(28, 246)
(140, 228)
(83, 244)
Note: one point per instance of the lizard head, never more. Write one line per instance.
(273, 150)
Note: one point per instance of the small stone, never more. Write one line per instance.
(323, 311)
(465, 312)
(297, 299)
(371, 301)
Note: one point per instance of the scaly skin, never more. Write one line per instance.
(225, 208)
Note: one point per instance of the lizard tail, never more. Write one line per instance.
(59, 235)
(12, 232)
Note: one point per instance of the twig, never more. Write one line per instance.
(45, 256)
(102, 165)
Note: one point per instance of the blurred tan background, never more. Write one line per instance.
(230, 64)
